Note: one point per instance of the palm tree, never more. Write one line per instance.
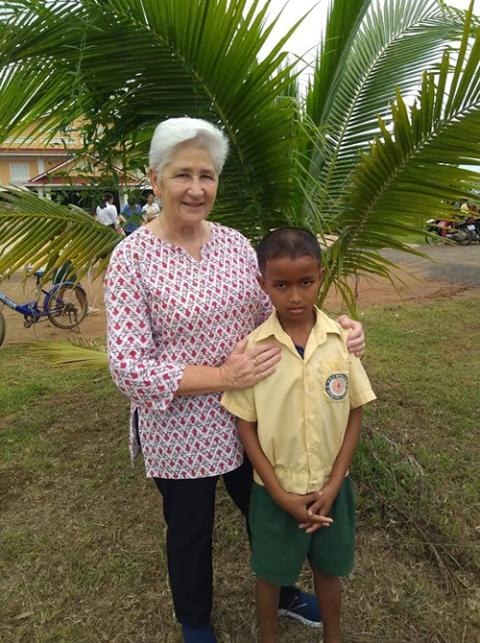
(348, 158)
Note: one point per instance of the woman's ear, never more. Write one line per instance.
(154, 182)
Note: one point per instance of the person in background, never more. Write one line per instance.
(300, 427)
(131, 216)
(108, 215)
(151, 209)
(181, 295)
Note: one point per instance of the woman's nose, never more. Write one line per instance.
(195, 186)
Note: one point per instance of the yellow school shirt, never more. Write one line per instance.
(302, 409)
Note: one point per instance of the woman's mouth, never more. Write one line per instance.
(193, 205)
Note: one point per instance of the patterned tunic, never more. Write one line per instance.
(166, 310)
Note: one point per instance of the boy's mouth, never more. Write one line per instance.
(296, 310)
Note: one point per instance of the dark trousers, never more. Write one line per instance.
(188, 508)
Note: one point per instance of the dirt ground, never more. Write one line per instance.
(450, 271)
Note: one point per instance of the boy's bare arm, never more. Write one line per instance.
(294, 504)
(340, 467)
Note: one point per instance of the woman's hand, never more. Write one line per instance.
(356, 336)
(244, 368)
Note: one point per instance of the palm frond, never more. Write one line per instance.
(343, 21)
(413, 171)
(46, 234)
(75, 352)
(392, 47)
(129, 64)
(33, 87)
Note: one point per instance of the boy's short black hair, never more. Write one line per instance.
(287, 242)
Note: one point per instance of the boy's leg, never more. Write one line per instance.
(329, 594)
(267, 596)
(188, 508)
(292, 602)
(331, 556)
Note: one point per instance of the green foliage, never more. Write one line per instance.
(348, 159)
(441, 125)
(45, 234)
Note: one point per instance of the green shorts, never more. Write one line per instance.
(280, 547)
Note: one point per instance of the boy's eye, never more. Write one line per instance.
(280, 286)
(307, 282)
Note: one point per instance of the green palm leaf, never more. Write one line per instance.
(392, 46)
(75, 352)
(412, 172)
(342, 25)
(131, 64)
(45, 234)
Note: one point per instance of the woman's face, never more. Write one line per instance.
(187, 186)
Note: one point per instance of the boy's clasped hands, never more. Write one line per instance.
(310, 510)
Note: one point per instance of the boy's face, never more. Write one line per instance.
(292, 285)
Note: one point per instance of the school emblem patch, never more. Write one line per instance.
(337, 386)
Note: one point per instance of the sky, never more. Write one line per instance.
(306, 37)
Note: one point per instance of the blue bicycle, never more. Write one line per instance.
(64, 305)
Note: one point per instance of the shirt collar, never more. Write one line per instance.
(323, 325)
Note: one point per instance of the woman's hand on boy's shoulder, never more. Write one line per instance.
(356, 336)
(246, 366)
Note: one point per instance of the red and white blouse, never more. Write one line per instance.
(166, 310)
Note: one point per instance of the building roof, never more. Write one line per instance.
(70, 173)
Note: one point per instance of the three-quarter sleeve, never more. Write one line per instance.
(136, 368)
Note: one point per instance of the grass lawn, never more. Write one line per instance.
(81, 532)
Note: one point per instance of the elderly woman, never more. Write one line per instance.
(181, 294)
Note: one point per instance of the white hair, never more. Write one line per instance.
(174, 132)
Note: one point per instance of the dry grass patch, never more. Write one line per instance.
(82, 533)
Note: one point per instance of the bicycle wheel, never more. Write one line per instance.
(67, 306)
(2, 328)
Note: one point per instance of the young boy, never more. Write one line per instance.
(300, 427)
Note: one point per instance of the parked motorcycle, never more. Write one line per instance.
(464, 231)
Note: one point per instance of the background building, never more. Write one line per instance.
(55, 168)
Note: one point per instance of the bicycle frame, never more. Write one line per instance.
(57, 306)
(30, 309)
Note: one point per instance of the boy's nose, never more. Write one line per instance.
(295, 295)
